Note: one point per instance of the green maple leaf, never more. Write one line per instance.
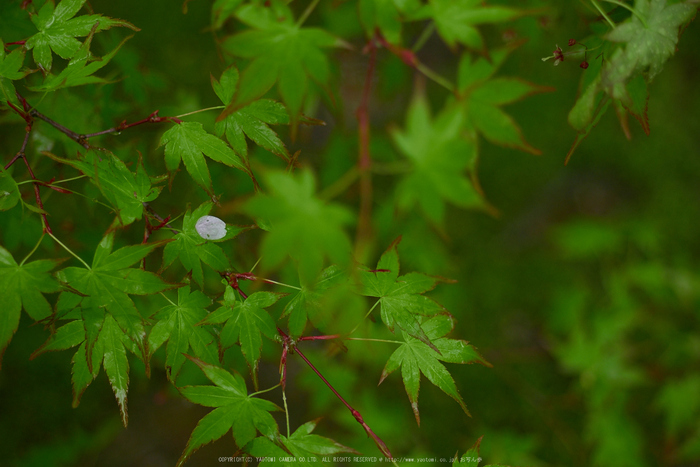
(235, 410)
(386, 15)
(23, 286)
(302, 226)
(415, 357)
(126, 191)
(400, 297)
(9, 191)
(302, 443)
(471, 457)
(650, 39)
(440, 155)
(251, 120)
(190, 142)
(307, 304)
(176, 324)
(191, 248)
(245, 322)
(456, 20)
(110, 281)
(11, 69)
(102, 343)
(58, 30)
(281, 52)
(482, 96)
(80, 69)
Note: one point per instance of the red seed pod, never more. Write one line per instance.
(584, 65)
(572, 42)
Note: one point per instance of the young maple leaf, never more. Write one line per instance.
(440, 156)
(58, 30)
(480, 96)
(125, 190)
(189, 142)
(251, 120)
(102, 343)
(176, 324)
(415, 357)
(282, 52)
(234, 410)
(245, 321)
(456, 20)
(191, 248)
(11, 69)
(110, 281)
(23, 286)
(400, 297)
(79, 70)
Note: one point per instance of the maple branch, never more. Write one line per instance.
(364, 224)
(289, 343)
(78, 138)
(22, 155)
(153, 118)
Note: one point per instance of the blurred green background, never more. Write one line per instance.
(583, 292)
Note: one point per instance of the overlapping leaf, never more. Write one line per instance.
(251, 120)
(125, 190)
(9, 191)
(302, 226)
(307, 303)
(58, 30)
(415, 357)
(10, 69)
(245, 322)
(189, 142)
(191, 248)
(235, 410)
(440, 155)
(281, 52)
(482, 96)
(23, 286)
(176, 324)
(400, 297)
(308, 449)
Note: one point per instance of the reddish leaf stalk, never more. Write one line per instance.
(289, 345)
(364, 225)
